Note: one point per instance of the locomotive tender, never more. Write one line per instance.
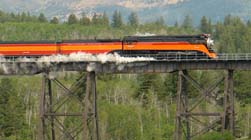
(160, 45)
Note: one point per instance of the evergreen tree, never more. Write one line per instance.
(42, 18)
(187, 23)
(2, 17)
(29, 18)
(54, 20)
(227, 20)
(249, 23)
(96, 19)
(176, 24)
(117, 21)
(85, 20)
(72, 19)
(13, 17)
(209, 28)
(203, 25)
(160, 21)
(170, 85)
(105, 19)
(1, 13)
(218, 30)
(23, 17)
(133, 19)
(148, 83)
(11, 110)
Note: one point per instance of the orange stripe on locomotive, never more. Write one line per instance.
(94, 48)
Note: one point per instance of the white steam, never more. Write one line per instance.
(144, 34)
(46, 61)
(84, 57)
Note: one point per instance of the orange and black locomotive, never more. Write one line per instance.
(192, 45)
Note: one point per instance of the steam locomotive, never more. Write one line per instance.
(129, 45)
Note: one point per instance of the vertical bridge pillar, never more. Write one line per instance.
(90, 109)
(55, 109)
(228, 114)
(181, 107)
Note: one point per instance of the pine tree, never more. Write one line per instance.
(187, 23)
(218, 30)
(54, 20)
(117, 21)
(13, 17)
(249, 23)
(176, 24)
(105, 19)
(227, 20)
(209, 27)
(170, 84)
(85, 20)
(28, 18)
(1, 13)
(160, 21)
(72, 19)
(2, 17)
(96, 19)
(133, 19)
(23, 16)
(11, 110)
(204, 25)
(42, 18)
(148, 83)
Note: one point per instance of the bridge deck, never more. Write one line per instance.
(30, 68)
(224, 61)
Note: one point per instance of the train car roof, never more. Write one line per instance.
(189, 38)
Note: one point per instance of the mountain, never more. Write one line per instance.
(148, 10)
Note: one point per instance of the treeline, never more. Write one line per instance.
(95, 19)
(22, 17)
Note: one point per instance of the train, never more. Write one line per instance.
(199, 45)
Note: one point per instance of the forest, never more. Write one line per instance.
(130, 106)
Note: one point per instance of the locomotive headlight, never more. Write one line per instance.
(210, 42)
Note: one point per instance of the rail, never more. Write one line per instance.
(136, 57)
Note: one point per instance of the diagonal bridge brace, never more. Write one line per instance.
(184, 110)
(204, 92)
(52, 115)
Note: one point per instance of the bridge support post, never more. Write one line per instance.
(181, 107)
(42, 126)
(229, 113)
(60, 107)
(90, 110)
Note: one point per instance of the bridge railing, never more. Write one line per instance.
(234, 56)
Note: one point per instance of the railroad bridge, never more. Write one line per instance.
(185, 113)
